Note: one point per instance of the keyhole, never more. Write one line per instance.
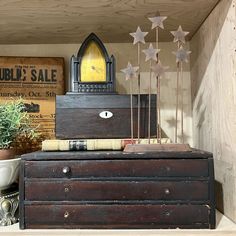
(106, 114)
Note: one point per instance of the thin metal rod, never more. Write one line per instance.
(149, 104)
(131, 112)
(139, 93)
(157, 38)
(159, 108)
(182, 101)
(157, 95)
(157, 113)
(177, 101)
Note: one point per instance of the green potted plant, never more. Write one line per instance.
(14, 122)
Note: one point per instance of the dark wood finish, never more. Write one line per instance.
(117, 168)
(117, 190)
(74, 112)
(116, 216)
(212, 195)
(114, 155)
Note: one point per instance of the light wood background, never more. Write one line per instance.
(70, 21)
(213, 74)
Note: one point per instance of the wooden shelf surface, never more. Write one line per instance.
(225, 227)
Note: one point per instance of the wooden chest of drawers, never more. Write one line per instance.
(117, 190)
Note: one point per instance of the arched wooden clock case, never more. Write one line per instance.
(92, 71)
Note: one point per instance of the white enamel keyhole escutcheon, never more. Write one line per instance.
(105, 114)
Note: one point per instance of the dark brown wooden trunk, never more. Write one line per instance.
(77, 117)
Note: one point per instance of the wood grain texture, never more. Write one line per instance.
(126, 216)
(71, 21)
(108, 190)
(81, 118)
(118, 190)
(117, 168)
(110, 155)
(213, 72)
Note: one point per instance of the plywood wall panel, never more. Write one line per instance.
(70, 21)
(213, 75)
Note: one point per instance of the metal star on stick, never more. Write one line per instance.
(151, 53)
(181, 55)
(159, 70)
(139, 36)
(131, 73)
(179, 35)
(157, 21)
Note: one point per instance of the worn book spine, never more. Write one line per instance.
(91, 144)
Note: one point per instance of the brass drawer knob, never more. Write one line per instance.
(167, 214)
(66, 170)
(167, 191)
(66, 189)
(66, 214)
(167, 168)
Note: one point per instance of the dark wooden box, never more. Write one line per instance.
(78, 116)
(117, 190)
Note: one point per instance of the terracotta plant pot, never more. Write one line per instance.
(6, 154)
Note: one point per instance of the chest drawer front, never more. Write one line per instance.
(116, 216)
(117, 168)
(115, 190)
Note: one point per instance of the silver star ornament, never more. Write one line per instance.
(151, 53)
(182, 55)
(130, 71)
(159, 70)
(139, 36)
(179, 35)
(157, 21)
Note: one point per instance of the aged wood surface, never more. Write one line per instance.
(108, 190)
(173, 147)
(117, 168)
(136, 188)
(71, 22)
(106, 155)
(126, 216)
(213, 71)
(78, 116)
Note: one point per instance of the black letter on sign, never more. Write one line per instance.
(54, 74)
(33, 73)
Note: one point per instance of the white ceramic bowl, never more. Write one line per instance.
(9, 172)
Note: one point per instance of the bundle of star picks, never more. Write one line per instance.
(156, 70)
